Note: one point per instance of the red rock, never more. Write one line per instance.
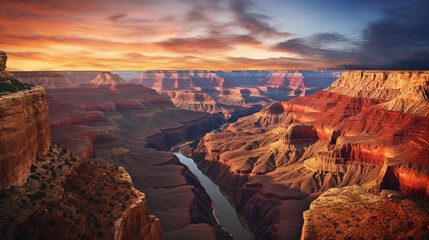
(350, 133)
(24, 133)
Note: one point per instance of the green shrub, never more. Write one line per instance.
(33, 168)
(14, 86)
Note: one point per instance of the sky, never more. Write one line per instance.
(214, 34)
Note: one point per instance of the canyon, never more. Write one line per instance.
(368, 128)
(47, 192)
(105, 120)
(294, 147)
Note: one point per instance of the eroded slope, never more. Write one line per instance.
(275, 162)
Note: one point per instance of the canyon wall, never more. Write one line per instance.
(276, 85)
(24, 127)
(24, 133)
(365, 129)
(119, 125)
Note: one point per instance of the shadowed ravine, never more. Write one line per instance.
(223, 209)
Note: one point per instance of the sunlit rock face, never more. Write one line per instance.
(24, 127)
(369, 128)
(351, 212)
(235, 93)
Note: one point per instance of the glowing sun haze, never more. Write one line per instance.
(214, 34)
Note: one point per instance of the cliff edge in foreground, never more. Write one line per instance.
(24, 127)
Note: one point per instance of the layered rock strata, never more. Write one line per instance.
(116, 126)
(353, 213)
(24, 127)
(366, 129)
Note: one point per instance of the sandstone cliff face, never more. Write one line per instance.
(401, 91)
(289, 153)
(24, 129)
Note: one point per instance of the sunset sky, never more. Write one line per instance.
(214, 34)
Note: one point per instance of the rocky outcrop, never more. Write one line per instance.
(107, 78)
(353, 213)
(67, 198)
(291, 152)
(5, 76)
(24, 131)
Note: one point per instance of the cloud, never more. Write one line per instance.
(255, 23)
(399, 40)
(212, 34)
(116, 17)
(207, 44)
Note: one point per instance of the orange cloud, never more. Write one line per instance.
(138, 35)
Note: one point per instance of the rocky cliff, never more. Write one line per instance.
(67, 198)
(24, 129)
(353, 213)
(291, 152)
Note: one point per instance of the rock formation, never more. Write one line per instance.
(107, 78)
(353, 213)
(67, 198)
(5, 76)
(366, 129)
(193, 101)
(24, 127)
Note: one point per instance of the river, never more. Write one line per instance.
(223, 209)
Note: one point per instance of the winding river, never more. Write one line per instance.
(224, 211)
